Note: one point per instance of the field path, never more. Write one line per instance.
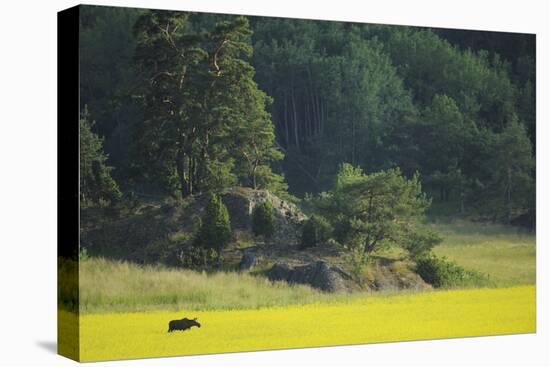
(441, 314)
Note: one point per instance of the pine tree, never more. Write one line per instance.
(368, 212)
(215, 228)
(234, 98)
(206, 118)
(171, 61)
(96, 183)
(263, 220)
(510, 188)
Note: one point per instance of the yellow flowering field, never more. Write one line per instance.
(370, 319)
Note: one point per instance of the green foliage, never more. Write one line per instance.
(443, 273)
(316, 230)
(83, 254)
(196, 257)
(391, 96)
(335, 94)
(342, 226)
(430, 65)
(166, 250)
(205, 117)
(96, 183)
(509, 188)
(357, 260)
(111, 286)
(108, 79)
(369, 212)
(182, 250)
(220, 100)
(263, 220)
(420, 243)
(503, 252)
(214, 231)
(68, 286)
(158, 252)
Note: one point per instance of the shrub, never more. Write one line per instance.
(443, 273)
(162, 250)
(215, 227)
(83, 254)
(420, 243)
(158, 251)
(356, 262)
(97, 185)
(372, 211)
(342, 230)
(263, 220)
(195, 257)
(179, 250)
(316, 230)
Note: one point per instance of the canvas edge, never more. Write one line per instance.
(68, 211)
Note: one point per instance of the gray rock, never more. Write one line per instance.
(248, 261)
(319, 274)
(240, 202)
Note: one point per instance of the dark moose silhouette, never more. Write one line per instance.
(182, 324)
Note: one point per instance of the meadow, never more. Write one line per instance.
(503, 253)
(507, 254)
(368, 319)
(125, 308)
(114, 286)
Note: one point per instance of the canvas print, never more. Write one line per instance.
(252, 183)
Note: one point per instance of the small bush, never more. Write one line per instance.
(179, 250)
(215, 227)
(263, 220)
(420, 243)
(443, 273)
(195, 257)
(316, 230)
(356, 262)
(342, 229)
(158, 252)
(83, 254)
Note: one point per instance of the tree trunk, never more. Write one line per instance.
(285, 120)
(190, 175)
(353, 142)
(509, 195)
(180, 168)
(296, 136)
(254, 184)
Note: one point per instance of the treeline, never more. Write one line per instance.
(457, 107)
(384, 96)
(202, 123)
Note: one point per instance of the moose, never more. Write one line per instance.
(182, 324)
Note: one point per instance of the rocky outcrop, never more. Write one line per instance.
(163, 232)
(248, 261)
(127, 237)
(391, 277)
(319, 274)
(240, 202)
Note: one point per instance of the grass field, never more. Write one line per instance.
(439, 314)
(112, 286)
(125, 308)
(506, 254)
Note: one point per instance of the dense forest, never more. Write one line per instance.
(181, 103)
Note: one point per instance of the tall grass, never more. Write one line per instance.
(506, 254)
(107, 285)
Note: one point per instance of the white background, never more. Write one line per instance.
(28, 182)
